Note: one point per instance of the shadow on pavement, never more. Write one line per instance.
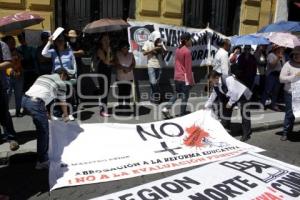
(236, 129)
(85, 115)
(26, 136)
(22, 137)
(19, 179)
(293, 137)
(132, 110)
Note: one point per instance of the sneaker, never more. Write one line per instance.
(55, 118)
(104, 114)
(71, 118)
(268, 102)
(19, 114)
(166, 113)
(283, 138)
(42, 165)
(244, 138)
(13, 145)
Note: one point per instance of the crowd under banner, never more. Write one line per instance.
(246, 177)
(93, 153)
(205, 42)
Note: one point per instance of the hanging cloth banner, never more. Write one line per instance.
(93, 153)
(205, 42)
(296, 98)
(248, 176)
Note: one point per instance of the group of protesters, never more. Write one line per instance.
(43, 77)
(266, 74)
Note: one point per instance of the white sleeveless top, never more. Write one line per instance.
(125, 61)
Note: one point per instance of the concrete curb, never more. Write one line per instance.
(270, 125)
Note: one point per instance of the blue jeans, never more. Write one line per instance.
(154, 77)
(181, 91)
(37, 109)
(16, 86)
(272, 87)
(289, 117)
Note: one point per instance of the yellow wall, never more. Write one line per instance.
(160, 11)
(44, 8)
(255, 14)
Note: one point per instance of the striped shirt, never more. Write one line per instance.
(47, 88)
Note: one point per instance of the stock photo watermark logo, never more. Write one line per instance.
(134, 111)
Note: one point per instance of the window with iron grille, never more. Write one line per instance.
(221, 15)
(76, 14)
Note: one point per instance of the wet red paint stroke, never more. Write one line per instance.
(196, 136)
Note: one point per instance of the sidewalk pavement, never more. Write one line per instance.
(145, 112)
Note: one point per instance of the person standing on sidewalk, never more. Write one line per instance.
(40, 94)
(44, 63)
(275, 62)
(15, 74)
(155, 50)
(104, 63)
(289, 73)
(221, 60)
(77, 49)
(29, 61)
(124, 64)
(5, 118)
(228, 98)
(183, 75)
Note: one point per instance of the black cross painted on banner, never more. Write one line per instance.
(166, 148)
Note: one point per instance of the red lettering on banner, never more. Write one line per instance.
(104, 176)
(84, 179)
(223, 155)
(135, 171)
(268, 196)
(121, 174)
(91, 178)
(79, 180)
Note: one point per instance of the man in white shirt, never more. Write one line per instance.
(221, 60)
(230, 91)
(40, 94)
(154, 49)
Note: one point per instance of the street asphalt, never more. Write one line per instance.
(19, 179)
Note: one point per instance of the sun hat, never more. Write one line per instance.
(72, 33)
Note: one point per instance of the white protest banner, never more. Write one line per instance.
(296, 98)
(204, 42)
(245, 177)
(92, 153)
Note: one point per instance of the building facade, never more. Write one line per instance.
(229, 17)
(45, 8)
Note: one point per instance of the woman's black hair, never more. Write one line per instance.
(123, 43)
(7, 38)
(184, 38)
(237, 47)
(59, 38)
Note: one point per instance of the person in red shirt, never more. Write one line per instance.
(183, 75)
